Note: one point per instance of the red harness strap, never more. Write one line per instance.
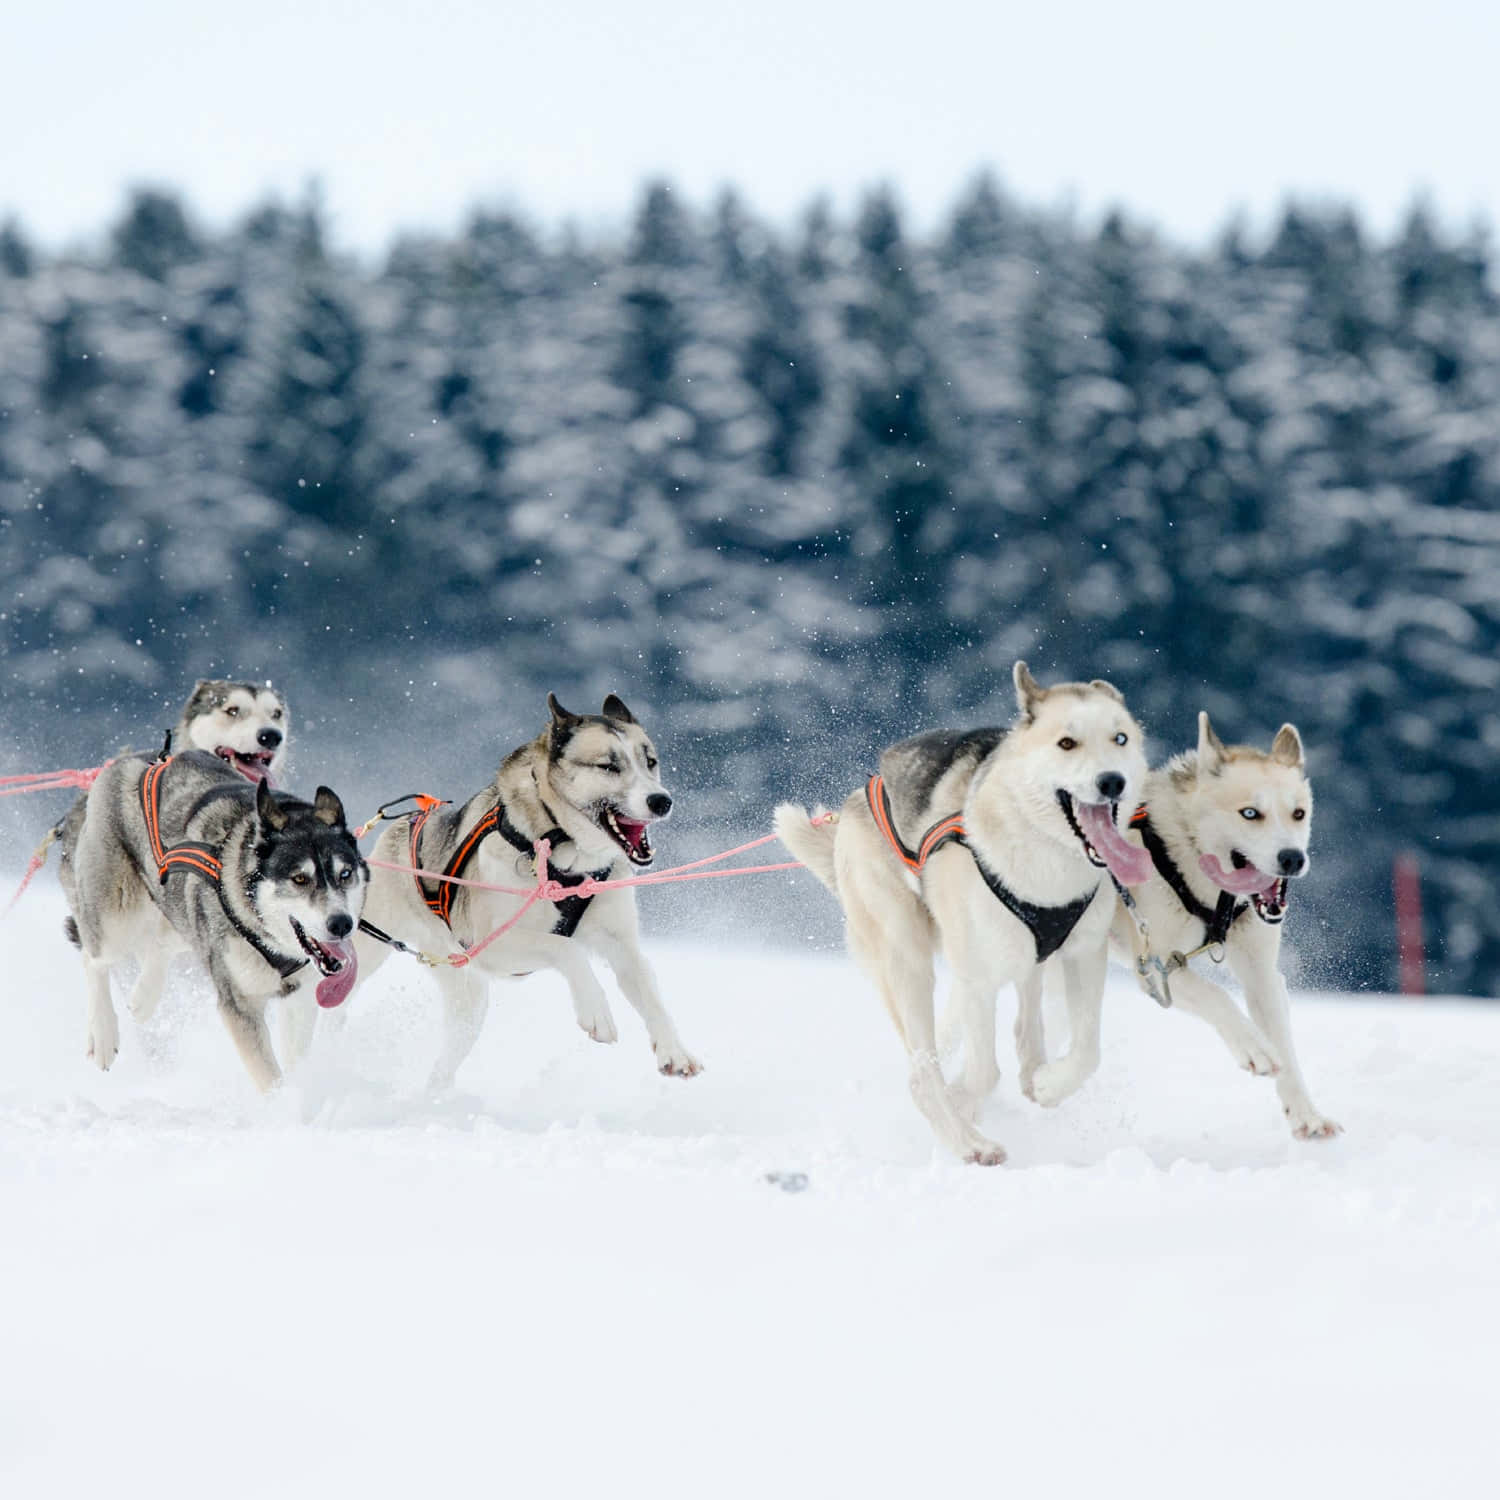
(945, 830)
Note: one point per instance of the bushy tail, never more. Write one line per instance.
(810, 842)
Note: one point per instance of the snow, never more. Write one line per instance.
(573, 1278)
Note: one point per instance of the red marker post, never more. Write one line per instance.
(1406, 881)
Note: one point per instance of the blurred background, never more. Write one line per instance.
(789, 377)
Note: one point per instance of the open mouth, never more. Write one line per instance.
(629, 834)
(336, 962)
(1093, 823)
(1267, 893)
(254, 765)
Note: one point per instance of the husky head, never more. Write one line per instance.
(308, 884)
(1085, 755)
(237, 721)
(604, 765)
(1251, 814)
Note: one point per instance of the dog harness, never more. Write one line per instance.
(1050, 926)
(1216, 920)
(496, 819)
(191, 858)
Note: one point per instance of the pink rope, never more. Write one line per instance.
(37, 861)
(552, 890)
(49, 781)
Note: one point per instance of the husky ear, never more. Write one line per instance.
(1029, 692)
(1211, 751)
(266, 809)
(560, 715)
(1108, 689)
(327, 808)
(1286, 748)
(614, 708)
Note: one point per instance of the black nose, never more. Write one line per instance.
(341, 924)
(659, 803)
(1111, 785)
(269, 738)
(1291, 861)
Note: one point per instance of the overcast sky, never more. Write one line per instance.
(1183, 111)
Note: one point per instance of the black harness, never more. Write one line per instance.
(1050, 926)
(191, 858)
(496, 819)
(1216, 920)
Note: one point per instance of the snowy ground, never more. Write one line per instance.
(573, 1279)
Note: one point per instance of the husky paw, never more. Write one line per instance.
(983, 1153)
(104, 1042)
(143, 1002)
(599, 1024)
(675, 1060)
(1053, 1082)
(1255, 1056)
(1308, 1125)
(1028, 1081)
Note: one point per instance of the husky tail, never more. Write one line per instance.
(808, 841)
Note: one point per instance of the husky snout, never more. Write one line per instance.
(1111, 785)
(269, 738)
(340, 924)
(659, 804)
(1291, 862)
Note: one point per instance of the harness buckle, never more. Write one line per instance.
(1153, 975)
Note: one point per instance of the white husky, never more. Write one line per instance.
(989, 845)
(1226, 829)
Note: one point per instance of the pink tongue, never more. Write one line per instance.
(1129, 865)
(632, 831)
(1246, 882)
(334, 990)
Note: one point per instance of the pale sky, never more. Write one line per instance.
(410, 114)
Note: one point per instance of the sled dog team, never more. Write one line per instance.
(1017, 854)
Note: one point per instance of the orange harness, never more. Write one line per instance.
(201, 859)
(1049, 926)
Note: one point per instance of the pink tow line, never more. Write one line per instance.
(43, 781)
(552, 890)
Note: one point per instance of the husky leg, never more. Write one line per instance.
(1270, 1009)
(299, 1020)
(103, 1024)
(1083, 983)
(570, 957)
(465, 1003)
(145, 993)
(637, 983)
(1031, 1040)
(1201, 997)
(975, 1006)
(246, 1022)
(891, 938)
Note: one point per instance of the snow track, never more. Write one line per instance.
(572, 1278)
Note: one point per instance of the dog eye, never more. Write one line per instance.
(345, 876)
(1067, 742)
(301, 878)
(1122, 739)
(231, 711)
(1249, 814)
(651, 762)
(605, 765)
(276, 714)
(1299, 814)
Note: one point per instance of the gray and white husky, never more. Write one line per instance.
(590, 784)
(186, 854)
(994, 846)
(1227, 827)
(243, 723)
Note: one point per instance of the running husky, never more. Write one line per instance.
(1221, 824)
(588, 784)
(246, 727)
(182, 852)
(991, 845)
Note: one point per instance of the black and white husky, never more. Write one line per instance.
(185, 853)
(590, 785)
(996, 847)
(1227, 828)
